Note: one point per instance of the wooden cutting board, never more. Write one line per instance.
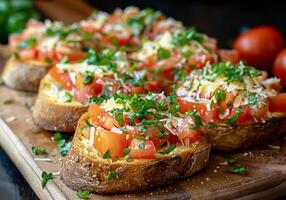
(266, 177)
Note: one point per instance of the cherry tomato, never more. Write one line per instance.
(142, 149)
(259, 46)
(279, 68)
(277, 103)
(106, 140)
(61, 77)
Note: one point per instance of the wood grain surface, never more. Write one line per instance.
(266, 177)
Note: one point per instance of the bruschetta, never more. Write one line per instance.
(67, 89)
(37, 48)
(133, 142)
(237, 104)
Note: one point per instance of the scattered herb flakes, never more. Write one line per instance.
(28, 43)
(167, 151)
(89, 124)
(28, 106)
(107, 155)
(48, 61)
(68, 97)
(233, 120)
(38, 151)
(163, 53)
(111, 175)
(88, 78)
(46, 176)
(237, 169)
(141, 145)
(118, 115)
(64, 60)
(83, 194)
(219, 95)
(126, 151)
(63, 143)
(231, 161)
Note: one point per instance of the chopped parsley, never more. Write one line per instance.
(181, 38)
(141, 145)
(83, 194)
(97, 100)
(111, 175)
(45, 178)
(28, 43)
(68, 97)
(38, 151)
(63, 143)
(197, 119)
(253, 99)
(237, 169)
(126, 151)
(88, 78)
(219, 95)
(89, 124)
(163, 53)
(107, 155)
(48, 60)
(118, 115)
(169, 150)
(64, 60)
(180, 74)
(233, 120)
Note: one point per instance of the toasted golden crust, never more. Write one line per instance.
(51, 114)
(22, 75)
(229, 138)
(84, 169)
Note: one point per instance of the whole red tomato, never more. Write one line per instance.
(259, 46)
(279, 67)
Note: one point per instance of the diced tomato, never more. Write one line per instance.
(141, 149)
(277, 103)
(228, 55)
(199, 61)
(27, 54)
(154, 133)
(96, 114)
(200, 107)
(105, 140)
(14, 40)
(154, 86)
(186, 134)
(127, 121)
(244, 116)
(173, 139)
(44, 55)
(75, 55)
(62, 78)
(88, 27)
(228, 101)
(108, 122)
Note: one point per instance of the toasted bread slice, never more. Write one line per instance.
(84, 169)
(24, 75)
(50, 110)
(229, 138)
(4, 55)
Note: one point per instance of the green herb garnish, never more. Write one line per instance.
(107, 155)
(237, 169)
(126, 151)
(163, 53)
(167, 151)
(111, 175)
(232, 121)
(83, 194)
(38, 151)
(46, 177)
(68, 97)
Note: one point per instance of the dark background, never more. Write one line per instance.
(219, 19)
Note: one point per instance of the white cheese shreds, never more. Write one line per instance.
(91, 137)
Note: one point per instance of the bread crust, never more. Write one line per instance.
(49, 114)
(229, 138)
(82, 169)
(24, 75)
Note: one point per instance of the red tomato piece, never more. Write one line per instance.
(62, 78)
(106, 140)
(27, 54)
(142, 149)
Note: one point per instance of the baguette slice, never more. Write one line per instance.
(24, 75)
(230, 138)
(83, 169)
(51, 112)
